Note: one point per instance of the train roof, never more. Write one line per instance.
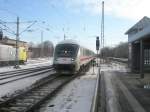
(69, 41)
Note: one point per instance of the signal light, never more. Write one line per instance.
(1, 34)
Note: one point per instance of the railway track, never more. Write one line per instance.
(30, 99)
(14, 76)
(23, 70)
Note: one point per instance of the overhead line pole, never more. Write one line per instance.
(17, 39)
(42, 43)
(102, 30)
(17, 34)
(102, 26)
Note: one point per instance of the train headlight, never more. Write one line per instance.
(72, 59)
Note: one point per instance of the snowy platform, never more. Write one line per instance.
(77, 96)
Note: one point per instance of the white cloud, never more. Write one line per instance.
(130, 9)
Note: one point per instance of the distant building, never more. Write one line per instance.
(12, 42)
(139, 45)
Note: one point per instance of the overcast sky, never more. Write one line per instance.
(78, 19)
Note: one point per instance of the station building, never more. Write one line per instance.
(139, 46)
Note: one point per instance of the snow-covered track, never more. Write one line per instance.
(23, 70)
(31, 99)
(10, 77)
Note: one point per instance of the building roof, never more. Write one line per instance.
(6, 38)
(143, 23)
(9, 41)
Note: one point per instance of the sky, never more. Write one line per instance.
(77, 19)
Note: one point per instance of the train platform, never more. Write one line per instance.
(138, 87)
(126, 92)
(76, 96)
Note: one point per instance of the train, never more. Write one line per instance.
(70, 57)
(8, 55)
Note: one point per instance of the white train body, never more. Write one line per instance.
(7, 53)
(69, 57)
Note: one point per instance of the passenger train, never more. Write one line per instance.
(69, 57)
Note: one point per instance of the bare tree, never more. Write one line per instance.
(120, 51)
(44, 49)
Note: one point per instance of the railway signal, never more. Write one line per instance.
(97, 43)
(97, 46)
(1, 34)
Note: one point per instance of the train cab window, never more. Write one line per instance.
(66, 50)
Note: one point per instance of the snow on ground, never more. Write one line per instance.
(114, 67)
(30, 64)
(77, 96)
(11, 88)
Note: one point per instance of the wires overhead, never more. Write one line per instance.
(9, 30)
(6, 28)
(33, 22)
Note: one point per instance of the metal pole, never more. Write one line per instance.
(41, 43)
(64, 37)
(141, 59)
(102, 30)
(17, 46)
(97, 58)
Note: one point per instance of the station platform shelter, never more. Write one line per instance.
(139, 46)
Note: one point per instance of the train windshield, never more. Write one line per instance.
(66, 50)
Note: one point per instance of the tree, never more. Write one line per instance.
(120, 51)
(44, 49)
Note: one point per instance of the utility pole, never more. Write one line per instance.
(17, 46)
(41, 43)
(102, 26)
(64, 33)
(102, 29)
(17, 34)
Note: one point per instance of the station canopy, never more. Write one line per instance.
(140, 30)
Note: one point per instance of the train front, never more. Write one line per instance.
(65, 58)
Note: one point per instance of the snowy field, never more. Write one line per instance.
(30, 64)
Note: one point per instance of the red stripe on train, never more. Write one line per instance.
(85, 58)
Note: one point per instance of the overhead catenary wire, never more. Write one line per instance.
(28, 27)
(4, 25)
